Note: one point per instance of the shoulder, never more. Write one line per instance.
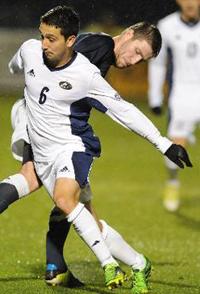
(82, 72)
(102, 38)
(85, 65)
(94, 40)
(31, 44)
(169, 21)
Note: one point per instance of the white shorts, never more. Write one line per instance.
(68, 164)
(19, 123)
(184, 110)
(20, 135)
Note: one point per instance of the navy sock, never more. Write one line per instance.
(55, 239)
(8, 195)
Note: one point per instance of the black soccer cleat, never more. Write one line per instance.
(54, 277)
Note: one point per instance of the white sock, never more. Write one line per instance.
(174, 183)
(172, 170)
(87, 228)
(120, 249)
(20, 183)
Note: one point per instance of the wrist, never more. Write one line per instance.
(163, 144)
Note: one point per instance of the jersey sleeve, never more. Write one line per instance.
(157, 72)
(105, 99)
(16, 63)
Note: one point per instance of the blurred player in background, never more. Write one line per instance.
(181, 53)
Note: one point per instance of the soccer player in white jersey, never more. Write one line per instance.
(103, 51)
(59, 97)
(181, 51)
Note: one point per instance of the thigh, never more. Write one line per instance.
(28, 171)
(66, 194)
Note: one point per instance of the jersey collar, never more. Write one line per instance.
(74, 55)
(189, 23)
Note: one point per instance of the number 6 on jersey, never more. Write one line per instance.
(43, 97)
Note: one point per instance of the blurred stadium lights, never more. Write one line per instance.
(22, 13)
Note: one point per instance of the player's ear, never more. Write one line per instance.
(129, 34)
(70, 41)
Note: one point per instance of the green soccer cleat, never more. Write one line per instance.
(54, 277)
(140, 279)
(114, 276)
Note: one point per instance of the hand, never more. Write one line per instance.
(157, 110)
(178, 155)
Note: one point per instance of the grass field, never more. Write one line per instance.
(127, 183)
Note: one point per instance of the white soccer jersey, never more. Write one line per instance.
(59, 101)
(182, 41)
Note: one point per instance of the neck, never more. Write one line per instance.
(187, 18)
(117, 41)
(66, 58)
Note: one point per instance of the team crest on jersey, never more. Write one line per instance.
(65, 85)
(117, 96)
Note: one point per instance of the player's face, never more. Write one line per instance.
(56, 48)
(189, 8)
(132, 51)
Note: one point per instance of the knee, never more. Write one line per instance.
(65, 204)
(66, 194)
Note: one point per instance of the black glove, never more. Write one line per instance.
(157, 110)
(178, 155)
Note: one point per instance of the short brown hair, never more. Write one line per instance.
(149, 32)
(63, 17)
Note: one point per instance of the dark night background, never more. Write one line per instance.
(122, 12)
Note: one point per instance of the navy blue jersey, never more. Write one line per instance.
(98, 48)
